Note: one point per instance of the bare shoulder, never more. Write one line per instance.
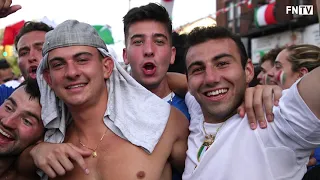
(178, 124)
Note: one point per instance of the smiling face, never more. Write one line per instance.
(29, 50)
(149, 52)
(216, 77)
(20, 123)
(77, 74)
(282, 71)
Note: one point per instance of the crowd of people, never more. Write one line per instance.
(80, 115)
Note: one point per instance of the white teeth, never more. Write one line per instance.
(75, 86)
(5, 134)
(217, 92)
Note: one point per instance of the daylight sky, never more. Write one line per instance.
(103, 11)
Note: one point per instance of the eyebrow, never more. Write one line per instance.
(74, 56)
(160, 35)
(137, 36)
(196, 63)
(27, 47)
(26, 112)
(216, 58)
(154, 35)
(38, 44)
(33, 115)
(12, 101)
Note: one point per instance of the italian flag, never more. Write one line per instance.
(264, 15)
(281, 77)
(266, 79)
(168, 4)
(10, 33)
(249, 2)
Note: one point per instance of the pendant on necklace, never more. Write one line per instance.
(94, 154)
(209, 139)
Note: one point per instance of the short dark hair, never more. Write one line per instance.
(271, 56)
(31, 87)
(4, 64)
(151, 11)
(178, 41)
(203, 34)
(30, 26)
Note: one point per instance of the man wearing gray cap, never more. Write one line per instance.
(106, 111)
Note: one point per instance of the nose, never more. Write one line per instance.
(33, 56)
(10, 122)
(148, 48)
(212, 77)
(271, 72)
(72, 71)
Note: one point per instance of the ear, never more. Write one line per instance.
(47, 77)
(303, 71)
(173, 55)
(249, 70)
(124, 55)
(108, 65)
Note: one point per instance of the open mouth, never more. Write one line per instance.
(33, 71)
(5, 137)
(149, 68)
(217, 92)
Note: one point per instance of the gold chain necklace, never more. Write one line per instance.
(209, 138)
(94, 153)
(208, 141)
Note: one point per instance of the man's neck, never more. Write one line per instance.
(89, 119)
(162, 90)
(209, 118)
(5, 164)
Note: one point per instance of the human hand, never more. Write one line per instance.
(257, 99)
(57, 159)
(6, 8)
(312, 160)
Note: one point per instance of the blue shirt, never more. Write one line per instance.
(5, 92)
(179, 103)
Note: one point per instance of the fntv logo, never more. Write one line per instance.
(300, 10)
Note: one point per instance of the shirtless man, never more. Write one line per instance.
(20, 126)
(77, 73)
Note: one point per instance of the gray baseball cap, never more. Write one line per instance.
(72, 33)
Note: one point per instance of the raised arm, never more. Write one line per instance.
(309, 89)
(177, 83)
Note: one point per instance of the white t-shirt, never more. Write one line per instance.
(281, 151)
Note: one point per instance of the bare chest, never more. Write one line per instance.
(118, 159)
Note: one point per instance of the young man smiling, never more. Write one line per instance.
(20, 127)
(220, 143)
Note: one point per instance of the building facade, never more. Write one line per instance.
(266, 24)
